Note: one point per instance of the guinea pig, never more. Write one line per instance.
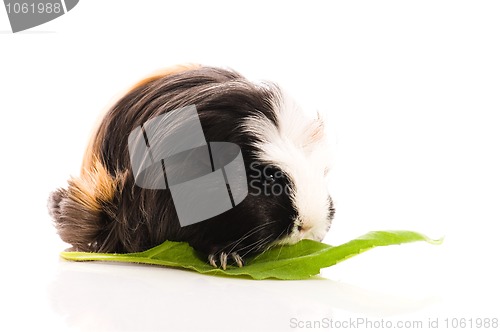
(284, 151)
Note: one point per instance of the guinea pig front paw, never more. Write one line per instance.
(222, 259)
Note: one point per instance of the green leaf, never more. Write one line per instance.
(299, 261)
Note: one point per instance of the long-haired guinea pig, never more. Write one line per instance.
(285, 159)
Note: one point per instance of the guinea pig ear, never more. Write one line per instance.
(315, 131)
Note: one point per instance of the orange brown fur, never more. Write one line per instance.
(163, 73)
(93, 187)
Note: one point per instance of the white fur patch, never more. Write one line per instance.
(298, 147)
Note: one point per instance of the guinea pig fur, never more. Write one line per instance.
(103, 210)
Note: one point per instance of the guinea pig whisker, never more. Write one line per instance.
(269, 246)
(255, 245)
(248, 234)
(235, 243)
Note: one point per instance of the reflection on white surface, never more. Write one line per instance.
(127, 297)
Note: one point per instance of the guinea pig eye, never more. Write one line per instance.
(270, 175)
(268, 180)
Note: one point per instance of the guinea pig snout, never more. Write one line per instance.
(313, 229)
(304, 227)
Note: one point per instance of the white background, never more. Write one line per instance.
(410, 91)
